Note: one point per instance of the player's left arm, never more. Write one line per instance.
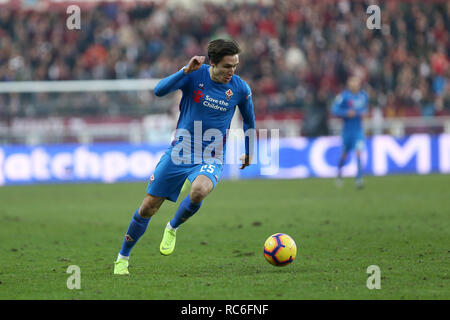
(248, 116)
(337, 108)
(365, 109)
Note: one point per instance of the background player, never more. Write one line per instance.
(351, 106)
(210, 95)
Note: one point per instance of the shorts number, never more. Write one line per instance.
(208, 168)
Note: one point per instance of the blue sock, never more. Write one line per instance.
(136, 229)
(185, 211)
(359, 172)
(340, 165)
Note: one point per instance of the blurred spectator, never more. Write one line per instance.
(297, 54)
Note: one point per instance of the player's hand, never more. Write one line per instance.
(351, 113)
(194, 64)
(246, 160)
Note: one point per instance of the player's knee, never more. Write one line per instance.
(149, 207)
(147, 211)
(198, 193)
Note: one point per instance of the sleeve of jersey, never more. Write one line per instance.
(248, 117)
(336, 108)
(171, 83)
(365, 110)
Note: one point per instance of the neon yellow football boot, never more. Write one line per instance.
(121, 266)
(168, 241)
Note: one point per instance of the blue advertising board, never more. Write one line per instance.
(284, 158)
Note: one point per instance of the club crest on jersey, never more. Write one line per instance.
(198, 95)
(229, 94)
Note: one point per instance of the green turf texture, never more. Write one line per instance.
(400, 223)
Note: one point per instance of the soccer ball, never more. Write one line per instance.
(280, 249)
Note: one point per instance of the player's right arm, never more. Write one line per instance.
(179, 79)
(338, 106)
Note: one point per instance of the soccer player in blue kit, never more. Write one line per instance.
(351, 106)
(210, 96)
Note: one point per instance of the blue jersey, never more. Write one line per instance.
(207, 107)
(347, 101)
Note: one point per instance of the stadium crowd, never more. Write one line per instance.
(296, 54)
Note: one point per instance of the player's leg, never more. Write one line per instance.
(341, 163)
(339, 180)
(200, 188)
(136, 229)
(139, 223)
(204, 178)
(346, 148)
(359, 173)
(165, 183)
(358, 181)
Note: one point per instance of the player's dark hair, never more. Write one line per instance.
(219, 48)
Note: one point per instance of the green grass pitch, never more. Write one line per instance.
(399, 223)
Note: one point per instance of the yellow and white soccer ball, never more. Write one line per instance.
(280, 249)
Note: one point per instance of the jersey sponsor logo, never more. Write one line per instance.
(198, 95)
(216, 104)
(229, 94)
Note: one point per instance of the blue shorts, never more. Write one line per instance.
(353, 141)
(168, 177)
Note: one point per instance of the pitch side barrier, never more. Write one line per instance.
(274, 158)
